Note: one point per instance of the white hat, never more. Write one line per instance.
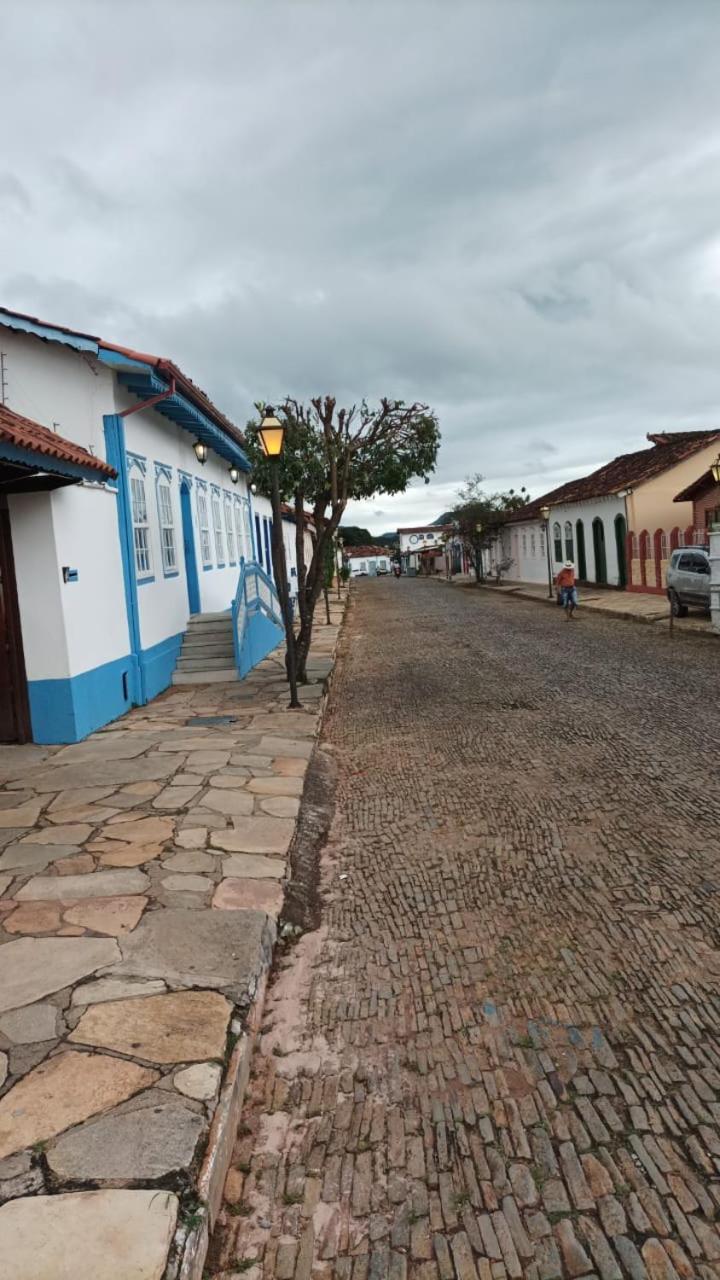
(569, 564)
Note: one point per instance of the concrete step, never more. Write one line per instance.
(204, 664)
(214, 629)
(208, 619)
(225, 676)
(207, 644)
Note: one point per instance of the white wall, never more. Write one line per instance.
(163, 603)
(38, 584)
(525, 544)
(50, 383)
(86, 539)
(68, 627)
(604, 508)
(415, 541)
(527, 541)
(365, 564)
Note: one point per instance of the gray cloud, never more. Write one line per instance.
(509, 211)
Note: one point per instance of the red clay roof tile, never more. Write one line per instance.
(24, 434)
(626, 471)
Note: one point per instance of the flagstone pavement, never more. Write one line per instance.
(140, 884)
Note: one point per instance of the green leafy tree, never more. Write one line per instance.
(353, 536)
(478, 517)
(334, 455)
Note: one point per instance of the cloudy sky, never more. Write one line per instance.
(508, 210)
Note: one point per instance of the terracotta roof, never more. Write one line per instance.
(164, 366)
(354, 553)
(627, 471)
(24, 434)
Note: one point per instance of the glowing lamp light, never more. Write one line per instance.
(715, 469)
(201, 451)
(545, 513)
(234, 474)
(271, 433)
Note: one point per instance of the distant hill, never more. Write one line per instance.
(386, 540)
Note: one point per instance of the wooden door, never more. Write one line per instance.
(14, 715)
(598, 529)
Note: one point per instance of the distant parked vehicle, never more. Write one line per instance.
(688, 580)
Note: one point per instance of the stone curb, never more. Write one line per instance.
(214, 1170)
(191, 1248)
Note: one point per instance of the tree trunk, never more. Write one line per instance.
(281, 586)
(314, 585)
(327, 606)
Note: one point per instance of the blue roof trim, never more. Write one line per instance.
(47, 331)
(143, 382)
(33, 458)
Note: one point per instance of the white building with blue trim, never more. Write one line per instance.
(113, 533)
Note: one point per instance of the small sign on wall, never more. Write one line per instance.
(69, 575)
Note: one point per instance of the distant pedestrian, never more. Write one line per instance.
(565, 581)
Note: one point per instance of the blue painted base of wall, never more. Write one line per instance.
(68, 710)
(158, 664)
(261, 637)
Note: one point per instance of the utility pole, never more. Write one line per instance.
(3, 379)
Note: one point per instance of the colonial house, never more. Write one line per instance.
(604, 522)
(125, 510)
(422, 547)
(367, 560)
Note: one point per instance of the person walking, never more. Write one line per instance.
(565, 581)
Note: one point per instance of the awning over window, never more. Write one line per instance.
(27, 449)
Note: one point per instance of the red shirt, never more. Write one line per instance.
(566, 578)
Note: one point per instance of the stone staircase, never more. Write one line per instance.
(207, 655)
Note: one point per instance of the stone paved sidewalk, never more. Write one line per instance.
(140, 886)
(499, 1055)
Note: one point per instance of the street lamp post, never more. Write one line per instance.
(271, 434)
(545, 515)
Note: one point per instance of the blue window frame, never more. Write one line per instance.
(258, 541)
(216, 504)
(137, 467)
(229, 527)
(166, 520)
(268, 556)
(203, 514)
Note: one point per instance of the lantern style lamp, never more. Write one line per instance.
(201, 451)
(234, 474)
(715, 469)
(271, 433)
(545, 517)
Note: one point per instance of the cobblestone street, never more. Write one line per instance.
(499, 1055)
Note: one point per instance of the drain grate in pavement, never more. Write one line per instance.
(212, 720)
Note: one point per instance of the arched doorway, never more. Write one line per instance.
(580, 545)
(191, 573)
(620, 546)
(598, 529)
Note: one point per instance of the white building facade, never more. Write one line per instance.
(416, 539)
(367, 561)
(108, 568)
(589, 533)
